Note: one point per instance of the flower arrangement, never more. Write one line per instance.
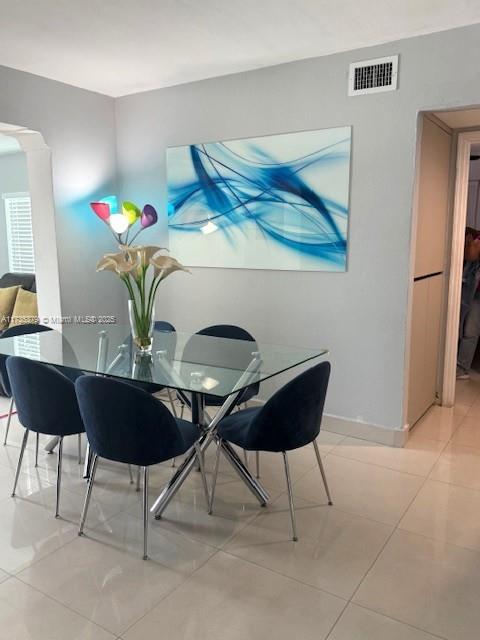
(121, 224)
(141, 269)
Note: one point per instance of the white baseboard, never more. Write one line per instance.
(361, 430)
(365, 431)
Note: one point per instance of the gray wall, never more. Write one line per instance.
(360, 315)
(13, 179)
(79, 127)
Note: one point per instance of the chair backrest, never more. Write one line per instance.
(17, 330)
(125, 423)
(163, 325)
(231, 332)
(292, 417)
(45, 399)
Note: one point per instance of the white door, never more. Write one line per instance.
(429, 275)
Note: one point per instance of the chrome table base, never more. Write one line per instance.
(189, 463)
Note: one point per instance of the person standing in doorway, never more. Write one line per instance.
(469, 331)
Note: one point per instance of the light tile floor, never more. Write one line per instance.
(396, 558)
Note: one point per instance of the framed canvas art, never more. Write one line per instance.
(272, 202)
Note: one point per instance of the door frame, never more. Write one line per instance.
(464, 143)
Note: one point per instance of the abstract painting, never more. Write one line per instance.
(272, 202)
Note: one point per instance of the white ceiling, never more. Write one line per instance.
(125, 46)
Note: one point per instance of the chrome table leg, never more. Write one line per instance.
(252, 483)
(214, 480)
(177, 479)
(51, 444)
(201, 462)
(204, 442)
(322, 471)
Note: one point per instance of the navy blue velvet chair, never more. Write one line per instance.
(126, 424)
(46, 403)
(231, 332)
(289, 420)
(17, 330)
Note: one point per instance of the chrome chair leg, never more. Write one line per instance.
(59, 476)
(130, 473)
(201, 462)
(172, 403)
(290, 496)
(139, 472)
(37, 443)
(88, 495)
(173, 462)
(9, 419)
(214, 479)
(322, 471)
(145, 513)
(87, 464)
(79, 448)
(245, 457)
(257, 463)
(20, 459)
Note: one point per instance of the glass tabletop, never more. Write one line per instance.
(184, 361)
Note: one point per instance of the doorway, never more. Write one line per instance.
(446, 142)
(31, 181)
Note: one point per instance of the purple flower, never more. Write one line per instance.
(149, 216)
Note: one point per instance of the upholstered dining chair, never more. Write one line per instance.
(231, 332)
(46, 403)
(17, 330)
(128, 425)
(290, 419)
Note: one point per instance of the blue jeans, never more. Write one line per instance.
(470, 332)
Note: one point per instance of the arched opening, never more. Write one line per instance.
(38, 166)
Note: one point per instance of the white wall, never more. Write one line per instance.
(13, 179)
(359, 315)
(79, 127)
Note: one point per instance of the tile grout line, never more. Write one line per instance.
(62, 604)
(396, 528)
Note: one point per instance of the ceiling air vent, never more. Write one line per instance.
(373, 76)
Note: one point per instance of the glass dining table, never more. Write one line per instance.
(195, 367)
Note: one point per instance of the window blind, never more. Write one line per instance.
(18, 215)
(28, 346)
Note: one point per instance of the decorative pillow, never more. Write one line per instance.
(25, 310)
(8, 296)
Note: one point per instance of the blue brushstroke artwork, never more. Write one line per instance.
(274, 202)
